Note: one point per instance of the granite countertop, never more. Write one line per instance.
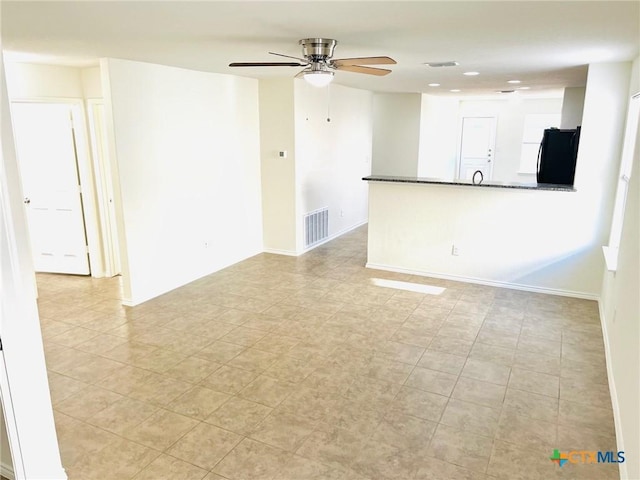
(469, 183)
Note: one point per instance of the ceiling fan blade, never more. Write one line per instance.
(267, 64)
(338, 62)
(360, 69)
(287, 56)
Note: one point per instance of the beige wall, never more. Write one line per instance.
(29, 80)
(186, 146)
(325, 160)
(439, 132)
(26, 80)
(620, 309)
(332, 156)
(396, 133)
(277, 134)
(572, 107)
(91, 82)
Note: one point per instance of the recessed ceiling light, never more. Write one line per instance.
(454, 90)
(513, 81)
(471, 74)
(524, 88)
(434, 84)
(442, 64)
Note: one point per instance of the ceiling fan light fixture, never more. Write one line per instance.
(318, 78)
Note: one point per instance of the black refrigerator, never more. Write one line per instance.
(557, 156)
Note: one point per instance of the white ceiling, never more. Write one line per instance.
(546, 45)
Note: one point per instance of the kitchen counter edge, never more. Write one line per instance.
(468, 183)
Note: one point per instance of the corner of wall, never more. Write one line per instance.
(111, 144)
(91, 82)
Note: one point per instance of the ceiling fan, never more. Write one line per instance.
(319, 67)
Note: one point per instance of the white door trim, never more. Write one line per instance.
(86, 173)
(104, 189)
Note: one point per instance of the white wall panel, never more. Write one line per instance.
(187, 149)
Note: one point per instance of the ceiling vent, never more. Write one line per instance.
(442, 64)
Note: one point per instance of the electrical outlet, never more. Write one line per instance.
(455, 251)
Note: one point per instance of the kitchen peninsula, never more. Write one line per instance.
(519, 235)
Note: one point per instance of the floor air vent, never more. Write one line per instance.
(316, 226)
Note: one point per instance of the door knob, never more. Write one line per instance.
(27, 200)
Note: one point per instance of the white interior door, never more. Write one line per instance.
(46, 153)
(477, 146)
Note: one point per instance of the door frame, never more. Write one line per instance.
(460, 137)
(105, 195)
(86, 177)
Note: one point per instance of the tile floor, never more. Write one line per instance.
(301, 368)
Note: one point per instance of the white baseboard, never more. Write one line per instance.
(7, 471)
(276, 251)
(328, 239)
(482, 281)
(613, 391)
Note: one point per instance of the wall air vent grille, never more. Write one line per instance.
(316, 226)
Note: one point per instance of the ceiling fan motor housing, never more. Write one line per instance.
(317, 49)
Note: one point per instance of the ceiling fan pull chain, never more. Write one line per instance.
(329, 103)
